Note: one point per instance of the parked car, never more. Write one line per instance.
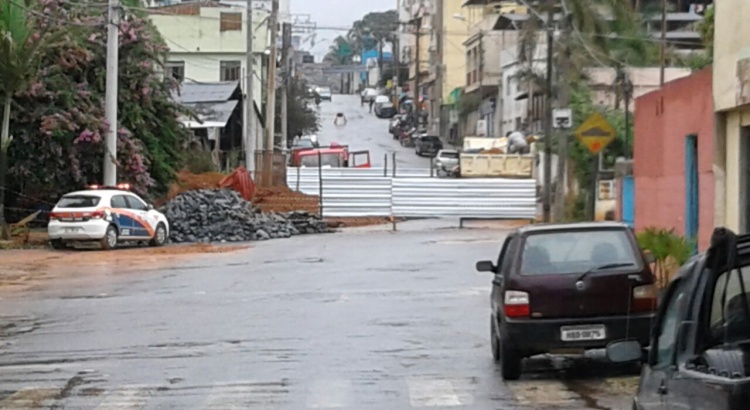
(325, 93)
(108, 215)
(446, 160)
(385, 110)
(567, 286)
(701, 335)
(428, 144)
(369, 94)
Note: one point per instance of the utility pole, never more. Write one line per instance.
(563, 100)
(110, 106)
(271, 97)
(417, 59)
(547, 192)
(663, 49)
(250, 94)
(286, 44)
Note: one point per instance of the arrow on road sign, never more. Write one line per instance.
(595, 133)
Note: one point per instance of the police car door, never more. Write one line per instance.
(120, 214)
(142, 227)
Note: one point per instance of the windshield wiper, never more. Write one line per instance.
(607, 266)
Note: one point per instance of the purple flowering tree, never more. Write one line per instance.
(59, 122)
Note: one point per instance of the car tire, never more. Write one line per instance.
(110, 239)
(510, 359)
(494, 341)
(57, 244)
(160, 236)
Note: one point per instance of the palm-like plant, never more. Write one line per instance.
(21, 47)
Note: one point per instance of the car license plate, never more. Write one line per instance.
(71, 230)
(578, 333)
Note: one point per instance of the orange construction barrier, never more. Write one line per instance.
(240, 181)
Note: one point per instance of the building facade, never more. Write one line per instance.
(673, 158)
(731, 96)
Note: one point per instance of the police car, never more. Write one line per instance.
(108, 215)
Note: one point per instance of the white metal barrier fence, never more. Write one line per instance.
(413, 193)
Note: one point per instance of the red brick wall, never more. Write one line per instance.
(663, 120)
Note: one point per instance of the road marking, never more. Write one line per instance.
(329, 394)
(433, 393)
(241, 395)
(543, 392)
(127, 398)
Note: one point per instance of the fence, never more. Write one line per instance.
(413, 193)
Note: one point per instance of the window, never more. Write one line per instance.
(176, 70)
(230, 70)
(230, 22)
(78, 201)
(573, 252)
(729, 320)
(669, 326)
(118, 201)
(136, 204)
(332, 160)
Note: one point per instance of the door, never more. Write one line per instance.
(691, 187)
(121, 212)
(628, 201)
(141, 225)
(504, 262)
(655, 391)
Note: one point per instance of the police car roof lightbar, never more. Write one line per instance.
(119, 187)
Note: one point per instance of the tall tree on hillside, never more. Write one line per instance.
(21, 49)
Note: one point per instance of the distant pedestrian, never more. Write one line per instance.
(372, 102)
(340, 119)
(517, 143)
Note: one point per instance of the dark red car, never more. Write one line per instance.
(563, 287)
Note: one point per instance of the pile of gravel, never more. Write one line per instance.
(222, 215)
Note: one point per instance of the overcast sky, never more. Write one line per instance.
(336, 13)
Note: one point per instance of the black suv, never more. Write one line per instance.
(700, 343)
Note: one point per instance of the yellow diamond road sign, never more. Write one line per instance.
(596, 133)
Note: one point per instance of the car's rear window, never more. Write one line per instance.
(556, 253)
(449, 154)
(431, 139)
(78, 201)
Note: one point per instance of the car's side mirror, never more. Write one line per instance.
(650, 258)
(623, 351)
(150, 207)
(486, 266)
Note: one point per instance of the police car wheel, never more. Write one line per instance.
(160, 236)
(110, 238)
(57, 244)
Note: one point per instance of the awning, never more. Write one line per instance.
(211, 115)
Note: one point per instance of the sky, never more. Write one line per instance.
(336, 13)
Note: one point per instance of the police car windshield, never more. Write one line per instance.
(78, 201)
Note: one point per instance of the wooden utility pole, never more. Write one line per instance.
(563, 101)
(271, 97)
(286, 41)
(663, 49)
(250, 137)
(418, 64)
(547, 184)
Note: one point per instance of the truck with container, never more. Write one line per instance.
(483, 157)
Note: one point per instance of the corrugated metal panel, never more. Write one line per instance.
(479, 198)
(349, 196)
(360, 172)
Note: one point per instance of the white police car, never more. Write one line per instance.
(108, 215)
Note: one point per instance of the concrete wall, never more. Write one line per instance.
(644, 79)
(663, 120)
(731, 44)
(454, 53)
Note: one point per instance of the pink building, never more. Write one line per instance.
(673, 158)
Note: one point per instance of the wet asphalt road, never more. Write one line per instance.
(364, 131)
(363, 319)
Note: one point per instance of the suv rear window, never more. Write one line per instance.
(78, 201)
(568, 252)
(431, 139)
(729, 319)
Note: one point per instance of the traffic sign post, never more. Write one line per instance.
(595, 133)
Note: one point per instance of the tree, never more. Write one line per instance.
(58, 130)
(21, 48)
(371, 32)
(301, 118)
